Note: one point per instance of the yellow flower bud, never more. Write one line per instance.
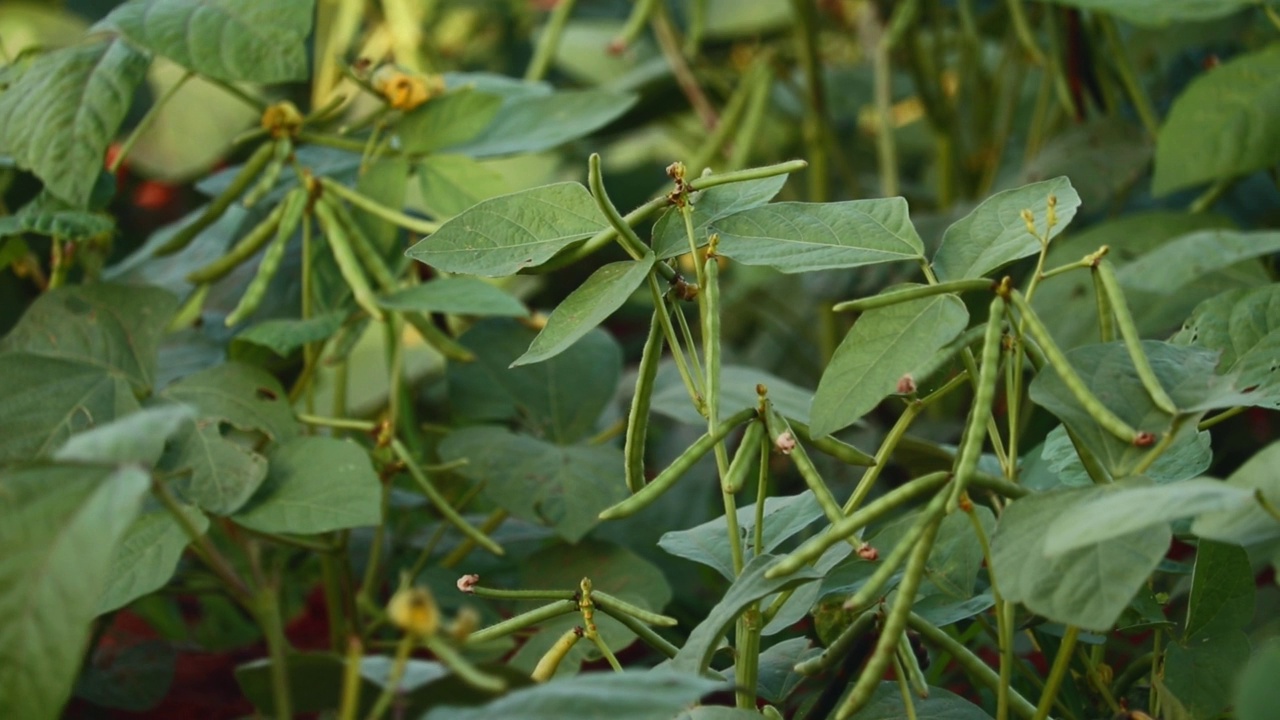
(282, 119)
(413, 610)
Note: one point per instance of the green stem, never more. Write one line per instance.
(152, 113)
(1023, 30)
(523, 620)
(442, 504)
(644, 632)
(915, 293)
(267, 612)
(1128, 78)
(669, 45)
(204, 547)
(1061, 662)
(497, 593)
(549, 41)
(806, 31)
(383, 703)
(367, 426)
(972, 664)
(373, 207)
(886, 148)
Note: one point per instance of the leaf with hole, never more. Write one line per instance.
(1244, 325)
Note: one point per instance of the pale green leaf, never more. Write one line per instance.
(883, 345)
(1181, 261)
(455, 295)
(47, 215)
(135, 438)
(708, 543)
(59, 527)
(450, 184)
(798, 237)
(586, 307)
(994, 233)
(245, 396)
(1187, 457)
(219, 474)
(1252, 524)
(315, 485)
(58, 118)
(230, 40)
(710, 205)
(1219, 126)
(1160, 13)
(284, 336)
(563, 487)
(502, 235)
(451, 119)
(1257, 695)
(531, 122)
(1244, 325)
(147, 556)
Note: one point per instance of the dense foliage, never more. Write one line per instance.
(930, 373)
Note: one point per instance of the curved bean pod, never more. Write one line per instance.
(1132, 340)
(254, 165)
(980, 414)
(638, 416)
(247, 247)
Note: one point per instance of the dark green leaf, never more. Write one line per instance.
(1190, 256)
(47, 400)
(59, 117)
(532, 122)
(750, 586)
(504, 234)
(1088, 587)
(994, 234)
(59, 526)
(710, 205)
(134, 678)
(1218, 126)
(883, 345)
(1257, 695)
(560, 399)
(219, 473)
(242, 395)
(1251, 524)
(455, 295)
(586, 307)
(1103, 157)
(708, 543)
(47, 215)
(1244, 325)
(314, 485)
(451, 119)
(284, 336)
(797, 237)
(231, 40)
(737, 391)
(777, 676)
(635, 695)
(147, 556)
(1187, 457)
(114, 327)
(887, 704)
(135, 438)
(1162, 13)
(563, 487)
(612, 569)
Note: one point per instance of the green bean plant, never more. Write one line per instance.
(395, 412)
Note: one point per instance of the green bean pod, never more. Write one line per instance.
(437, 338)
(361, 244)
(838, 647)
(894, 297)
(348, 263)
(910, 665)
(642, 631)
(447, 511)
(779, 430)
(282, 148)
(984, 396)
(522, 621)
(894, 623)
(709, 312)
(190, 310)
(252, 167)
(842, 451)
(976, 668)
(1106, 317)
(550, 660)
(638, 416)
(247, 247)
(740, 467)
(627, 236)
(813, 548)
(676, 469)
(1132, 340)
(1053, 355)
(605, 600)
(295, 205)
(867, 595)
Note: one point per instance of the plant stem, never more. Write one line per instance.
(373, 207)
(267, 612)
(549, 41)
(1056, 673)
(442, 504)
(464, 548)
(670, 47)
(815, 96)
(972, 664)
(204, 547)
(392, 687)
(1127, 77)
(367, 426)
(145, 123)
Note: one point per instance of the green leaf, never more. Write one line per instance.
(710, 205)
(1244, 325)
(58, 118)
(451, 119)
(750, 586)
(1201, 668)
(314, 485)
(450, 184)
(1256, 692)
(47, 215)
(1218, 126)
(563, 487)
(1136, 507)
(887, 704)
(708, 543)
(48, 400)
(633, 695)
(560, 399)
(147, 556)
(1180, 262)
(1145, 13)
(717, 712)
(797, 237)
(1088, 587)
(221, 473)
(1248, 525)
(455, 295)
(59, 526)
(115, 327)
(231, 40)
(737, 391)
(1103, 157)
(776, 672)
(1108, 371)
(535, 121)
(613, 569)
(134, 678)
(245, 396)
(135, 438)
(1187, 457)
(994, 234)
(883, 345)
(502, 235)
(284, 336)
(586, 307)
